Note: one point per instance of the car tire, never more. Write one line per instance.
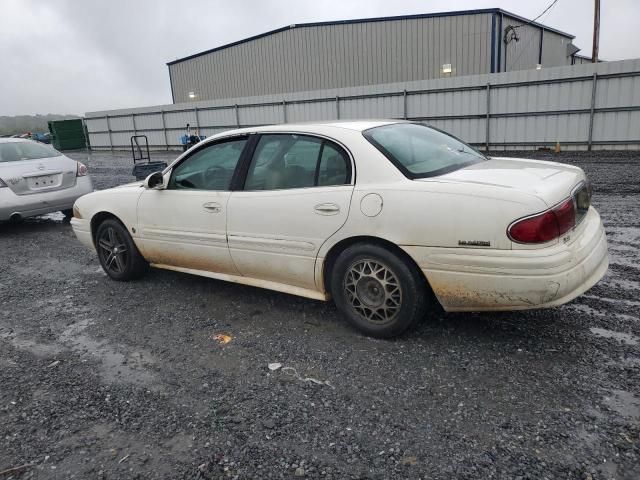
(380, 293)
(118, 254)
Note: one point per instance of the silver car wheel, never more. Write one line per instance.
(373, 291)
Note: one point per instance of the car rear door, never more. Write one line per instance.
(296, 194)
(184, 224)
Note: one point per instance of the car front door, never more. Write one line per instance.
(184, 224)
(296, 194)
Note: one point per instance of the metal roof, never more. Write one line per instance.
(376, 19)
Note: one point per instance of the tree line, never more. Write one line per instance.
(29, 123)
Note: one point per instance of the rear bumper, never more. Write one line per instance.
(482, 279)
(41, 203)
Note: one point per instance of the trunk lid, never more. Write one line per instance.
(551, 182)
(26, 177)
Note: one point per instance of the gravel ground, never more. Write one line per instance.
(108, 380)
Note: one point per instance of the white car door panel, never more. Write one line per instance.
(177, 228)
(300, 193)
(184, 225)
(276, 235)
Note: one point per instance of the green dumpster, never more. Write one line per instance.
(68, 134)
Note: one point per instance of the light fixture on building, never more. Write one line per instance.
(446, 68)
(538, 66)
(192, 95)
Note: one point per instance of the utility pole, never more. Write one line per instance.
(596, 32)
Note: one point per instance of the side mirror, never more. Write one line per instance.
(155, 180)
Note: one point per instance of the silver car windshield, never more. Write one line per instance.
(421, 151)
(16, 151)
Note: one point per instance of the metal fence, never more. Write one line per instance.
(595, 106)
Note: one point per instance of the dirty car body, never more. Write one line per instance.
(375, 214)
(36, 179)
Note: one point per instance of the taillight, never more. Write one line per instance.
(82, 170)
(545, 226)
(565, 215)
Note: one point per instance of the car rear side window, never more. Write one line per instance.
(421, 151)
(16, 151)
(333, 167)
(284, 161)
(210, 168)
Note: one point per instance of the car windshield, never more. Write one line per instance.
(16, 151)
(421, 151)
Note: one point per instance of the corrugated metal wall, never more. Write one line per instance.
(524, 53)
(554, 50)
(512, 110)
(345, 55)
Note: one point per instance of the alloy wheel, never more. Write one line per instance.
(373, 291)
(113, 251)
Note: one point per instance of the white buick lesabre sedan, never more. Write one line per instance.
(381, 216)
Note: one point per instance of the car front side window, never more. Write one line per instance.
(210, 168)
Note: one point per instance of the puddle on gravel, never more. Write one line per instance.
(54, 216)
(629, 235)
(600, 313)
(617, 280)
(624, 403)
(115, 366)
(622, 337)
(624, 362)
(42, 350)
(7, 363)
(623, 301)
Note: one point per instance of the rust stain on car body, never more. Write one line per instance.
(454, 296)
(178, 258)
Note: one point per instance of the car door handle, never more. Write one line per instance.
(327, 209)
(213, 207)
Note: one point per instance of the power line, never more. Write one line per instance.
(549, 7)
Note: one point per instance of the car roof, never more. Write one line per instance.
(14, 139)
(354, 125)
(357, 125)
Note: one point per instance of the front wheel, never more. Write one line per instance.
(380, 293)
(117, 252)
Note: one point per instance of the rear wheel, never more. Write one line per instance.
(380, 293)
(117, 252)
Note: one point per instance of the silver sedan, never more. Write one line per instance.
(36, 179)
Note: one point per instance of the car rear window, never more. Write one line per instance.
(420, 151)
(16, 151)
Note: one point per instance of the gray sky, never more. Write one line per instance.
(75, 56)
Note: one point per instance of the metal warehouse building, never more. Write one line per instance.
(316, 56)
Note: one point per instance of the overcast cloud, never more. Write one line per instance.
(72, 56)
